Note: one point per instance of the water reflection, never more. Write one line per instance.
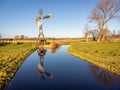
(43, 73)
(70, 73)
(103, 76)
(54, 48)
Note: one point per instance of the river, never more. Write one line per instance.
(58, 70)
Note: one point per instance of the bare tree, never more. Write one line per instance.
(86, 32)
(94, 34)
(118, 33)
(106, 33)
(104, 11)
(114, 32)
(16, 37)
(0, 35)
(22, 37)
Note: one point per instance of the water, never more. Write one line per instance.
(61, 71)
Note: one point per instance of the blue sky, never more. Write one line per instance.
(68, 17)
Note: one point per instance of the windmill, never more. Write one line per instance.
(39, 19)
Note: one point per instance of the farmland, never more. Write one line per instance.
(104, 55)
(11, 58)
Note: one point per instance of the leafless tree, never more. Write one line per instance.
(16, 37)
(22, 37)
(86, 32)
(104, 11)
(118, 33)
(106, 33)
(114, 32)
(0, 35)
(94, 34)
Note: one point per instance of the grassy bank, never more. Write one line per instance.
(104, 55)
(11, 58)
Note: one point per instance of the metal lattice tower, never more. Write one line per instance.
(41, 38)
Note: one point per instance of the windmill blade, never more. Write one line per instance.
(39, 22)
(40, 12)
(39, 18)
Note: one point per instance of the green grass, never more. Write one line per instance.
(11, 58)
(104, 55)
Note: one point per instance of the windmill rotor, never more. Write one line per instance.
(39, 18)
(39, 21)
(40, 13)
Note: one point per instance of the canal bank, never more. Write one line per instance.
(11, 58)
(104, 55)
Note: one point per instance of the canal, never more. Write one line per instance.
(58, 70)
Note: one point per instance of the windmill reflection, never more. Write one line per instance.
(43, 73)
(103, 76)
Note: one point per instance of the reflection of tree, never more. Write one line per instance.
(54, 48)
(103, 76)
(42, 53)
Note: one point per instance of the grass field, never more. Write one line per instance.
(104, 55)
(11, 58)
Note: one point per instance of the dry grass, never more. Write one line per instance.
(11, 58)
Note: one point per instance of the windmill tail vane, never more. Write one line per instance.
(47, 16)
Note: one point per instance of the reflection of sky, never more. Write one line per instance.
(68, 17)
(69, 73)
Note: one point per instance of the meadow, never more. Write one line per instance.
(11, 58)
(105, 54)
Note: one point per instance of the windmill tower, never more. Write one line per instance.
(39, 19)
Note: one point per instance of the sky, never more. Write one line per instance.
(68, 19)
